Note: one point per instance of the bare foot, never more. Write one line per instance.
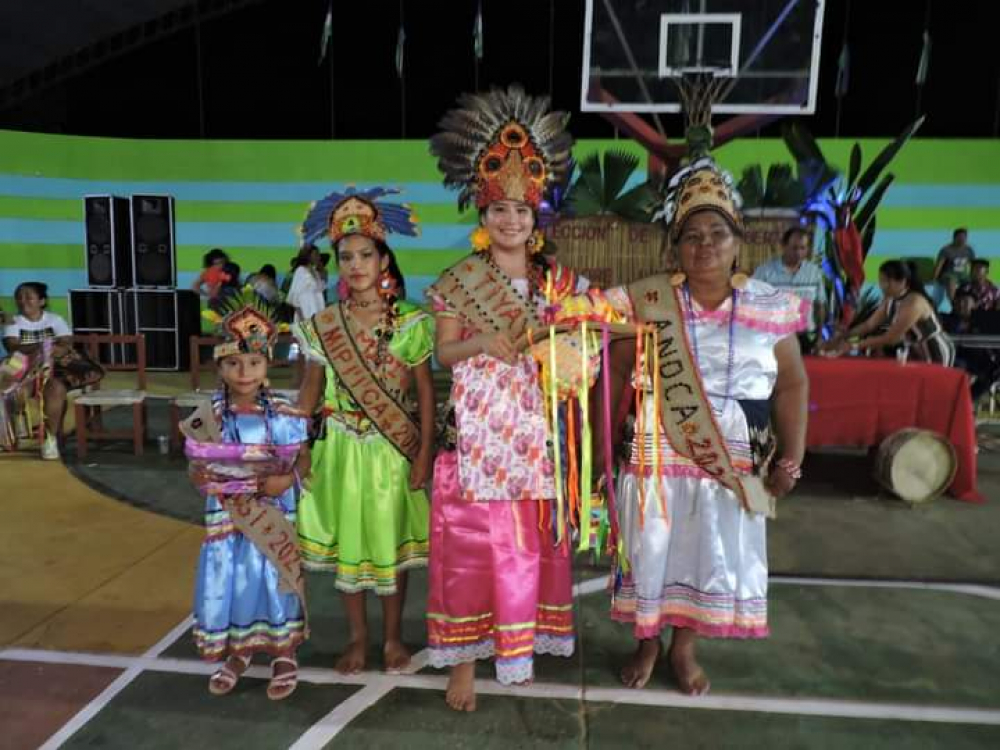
(691, 678)
(352, 660)
(396, 657)
(461, 694)
(637, 672)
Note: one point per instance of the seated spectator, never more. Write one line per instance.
(265, 283)
(27, 333)
(230, 287)
(938, 295)
(213, 275)
(983, 365)
(793, 272)
(980, 288)
(909, 315)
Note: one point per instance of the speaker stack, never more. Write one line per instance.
(132, 280)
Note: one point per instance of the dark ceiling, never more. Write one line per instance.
(248, 68)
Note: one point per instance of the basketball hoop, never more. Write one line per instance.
(697, 91)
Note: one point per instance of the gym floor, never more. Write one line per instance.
(884, 620)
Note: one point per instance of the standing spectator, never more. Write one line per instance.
(954, 262)
(306, 293)
(324, 273)
(793, 272)
(984, 292)
(286, 283)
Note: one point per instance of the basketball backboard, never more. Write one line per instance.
(635, 49)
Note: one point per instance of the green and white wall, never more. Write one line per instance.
(940, 185)
(249, 196)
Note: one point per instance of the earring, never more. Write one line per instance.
(343, 290)
(678, 279)
(480, 239)
(387, 286)
(737, 279)
(536, 242)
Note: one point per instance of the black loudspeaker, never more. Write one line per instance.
(154, 256)
(168, 318)
(109, 241)
(101, 311)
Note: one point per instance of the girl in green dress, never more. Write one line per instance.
(364, 515)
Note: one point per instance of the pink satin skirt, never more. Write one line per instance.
(498, 585)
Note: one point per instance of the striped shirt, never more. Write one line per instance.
(806, 282)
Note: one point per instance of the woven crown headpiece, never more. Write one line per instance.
(699, 186)
(357, 212)
(504, 145)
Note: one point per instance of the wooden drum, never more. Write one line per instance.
(915, 465)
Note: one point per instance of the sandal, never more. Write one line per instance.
(225, 679)
(282, 685)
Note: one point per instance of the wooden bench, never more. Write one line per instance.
(88, 406)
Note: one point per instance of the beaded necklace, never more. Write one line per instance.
(693, 329)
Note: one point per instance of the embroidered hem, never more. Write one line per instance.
(261, 637)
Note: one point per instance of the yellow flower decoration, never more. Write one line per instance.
(536, 242)
(480, 239)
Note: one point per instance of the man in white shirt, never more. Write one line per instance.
(793, 272)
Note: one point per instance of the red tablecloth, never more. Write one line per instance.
(860, 402)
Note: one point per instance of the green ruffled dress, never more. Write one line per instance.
(359, 519)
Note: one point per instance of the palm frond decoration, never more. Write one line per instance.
(599, 188)
(781, 188)
(843, 208)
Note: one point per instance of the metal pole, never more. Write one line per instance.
(843, 43)
(552, 47)
(920, 86)
(333, 119)
(199, 71)
(402, 78)
(632, 64)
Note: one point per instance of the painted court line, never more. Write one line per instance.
(381, 684)
(375, 686)
(846, 709)
(590, 586)
(120, 683)
(324, 730)
(970, 589)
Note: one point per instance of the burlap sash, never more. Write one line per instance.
(685, 411)
(369, 391)
(485, 296)
(265, 525)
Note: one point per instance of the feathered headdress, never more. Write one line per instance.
(504, 145)
(246, 322)
(357, 212)
(700, 185)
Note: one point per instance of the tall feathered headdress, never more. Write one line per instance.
(504, 145)
(701, 185)
(247, 324)
(357, 212)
